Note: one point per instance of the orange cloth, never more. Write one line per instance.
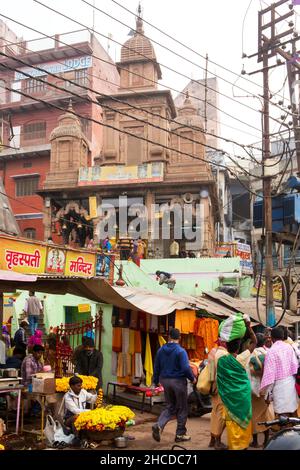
(207, 328)
(137, 342)
(185, 320)
(117, 339)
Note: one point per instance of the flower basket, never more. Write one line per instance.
(105, 435)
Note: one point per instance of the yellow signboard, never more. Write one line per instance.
(84, 308)
(80, 264)
(93, 207)
(23, 257)
(109, 175)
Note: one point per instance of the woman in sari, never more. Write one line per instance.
(235, 391)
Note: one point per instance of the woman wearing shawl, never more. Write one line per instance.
(235, 391)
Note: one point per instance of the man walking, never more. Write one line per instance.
(278, 380)
(171, 370)
(33, 308)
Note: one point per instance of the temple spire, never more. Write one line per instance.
(139, 21)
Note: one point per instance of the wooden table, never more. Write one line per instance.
(131, 388)
(5, 389)
(41, 398)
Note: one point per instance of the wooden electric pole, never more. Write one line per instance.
(270, 311)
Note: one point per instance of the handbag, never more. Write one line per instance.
(204, 381)
(54, 432)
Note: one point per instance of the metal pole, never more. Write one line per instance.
(270, 312)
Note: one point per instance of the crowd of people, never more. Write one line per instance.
(252, 381)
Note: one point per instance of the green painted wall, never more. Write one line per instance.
(193, 275)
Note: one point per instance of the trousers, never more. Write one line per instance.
(33, 323)
(175, 391)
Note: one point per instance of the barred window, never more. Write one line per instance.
(34, 130)
(30, 233)
(27, 186)
(34, 86)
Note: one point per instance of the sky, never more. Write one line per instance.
(222, 29)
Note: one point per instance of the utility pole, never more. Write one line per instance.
(270, 311)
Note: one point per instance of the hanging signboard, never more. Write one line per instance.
(21, 256)
(84, 308)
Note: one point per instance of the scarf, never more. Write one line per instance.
(235, 390)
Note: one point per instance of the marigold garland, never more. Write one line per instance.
(88, 383)
(2, 447)
(105, 418)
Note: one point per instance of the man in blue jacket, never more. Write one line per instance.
(171, 370)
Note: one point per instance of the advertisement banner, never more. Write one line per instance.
(80, 264)
(244, 252)
(110, 175)
(22, 257)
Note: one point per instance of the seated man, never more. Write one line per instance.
(75, 402)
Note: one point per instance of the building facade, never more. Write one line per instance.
(27, 121)
(147, 160)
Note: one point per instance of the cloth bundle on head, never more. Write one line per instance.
(232, 328)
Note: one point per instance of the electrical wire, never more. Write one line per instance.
(142, 55)
(90, 100)
(133, 92)
(192, 50)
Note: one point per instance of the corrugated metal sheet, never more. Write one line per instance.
(248, 306)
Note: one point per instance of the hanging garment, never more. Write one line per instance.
(125, 340)
(131, 349)
(142, 322)
(114, 363)
(161, 341)
(123, 317)
(138, 367)
(154, 323)
(137, 342)
(162, 325)
(133, 320)
(117, 339)
(148, 321)
(148, 365)
(185, 320)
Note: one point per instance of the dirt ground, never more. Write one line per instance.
(140, 435)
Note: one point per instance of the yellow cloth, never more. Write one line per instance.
(148, 364)
(237, 437)
(131, 342)
(161, 341)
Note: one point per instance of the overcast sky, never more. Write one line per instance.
(220, 28)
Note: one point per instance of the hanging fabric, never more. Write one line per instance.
(125, 340)
(153, 323)
(138, 367)
(185, 320)
(117, 339)
(148, 365)
(114, 363)
(161, 341)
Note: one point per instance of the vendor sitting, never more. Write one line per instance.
(32, 364)
(75, 402)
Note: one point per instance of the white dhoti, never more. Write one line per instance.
(285, 397)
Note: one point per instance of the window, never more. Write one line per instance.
(30, 233)
(85, 125)
(2, 92)
(27, 185)
(34, 86)
(27, 164)
(81, 77)
(35, 130)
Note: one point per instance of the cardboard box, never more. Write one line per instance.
(43, 382)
